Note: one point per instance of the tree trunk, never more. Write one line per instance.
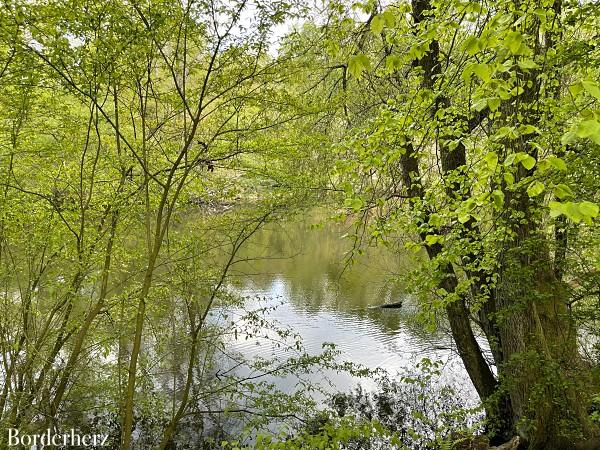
(497, 404)
(458, 316)
(539, 343)
(526, 321)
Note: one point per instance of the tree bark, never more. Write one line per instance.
(452, 159)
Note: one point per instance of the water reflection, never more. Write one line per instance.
(302, 270)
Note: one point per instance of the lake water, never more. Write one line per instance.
(300, 271)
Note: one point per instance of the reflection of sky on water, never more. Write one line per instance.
(301, 270)
(298, 276)
(359, 336)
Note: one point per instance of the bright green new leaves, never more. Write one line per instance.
(583, 211)
(463, 217)
(552, 162)
(491, 160)
(432, 239)
(588, 129)
(535, 189)
(354, 203)
(589, 126)
(497, 198)
(494, 103)
(357, 64)
(590, 86)
(377, 24)
(393, 62)
(526, 160)
(389, 17)
(585, 129)
(588, 209)
(527, 64)
(474, 45)
(381, 21)
(483, 71)
(515, 44)
(513, 41)
(563, 191)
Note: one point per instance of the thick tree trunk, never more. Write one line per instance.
(526, 321)
(539, 343)
(539, 340)
(459, 318)
(497, 404)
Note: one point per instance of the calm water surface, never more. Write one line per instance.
(300, 271)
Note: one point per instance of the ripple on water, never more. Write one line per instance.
(321, 302)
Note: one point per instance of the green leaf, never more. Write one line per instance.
(393, 62)
(491, 159)
(431, 239)
(588, 209)
(498, 198)
(535, 189)
(527, 64)
(576, 88)
(355, 203)
(513, 41)
(467, 73)
(483, 71)
(473, 45)
(573, 212)
(463, 216)
(528, 162)
(493, 103)
(592, 88)
(563, 191)
(480, 104)
(576, 212)
(568, 138)
(517, 90)
(389, 17)
(557, 163)
(510, 159)
(556, 208)
(589, 129)
(528, 129)
(435, 220)
(357, 64)
(503, 132)
(377, 24)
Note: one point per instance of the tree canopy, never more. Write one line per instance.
(143, 143)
